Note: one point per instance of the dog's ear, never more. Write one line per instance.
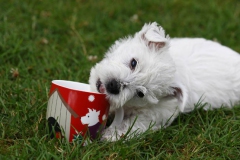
(182, 96)
(154, 36)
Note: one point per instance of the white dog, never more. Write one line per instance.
(154, 78)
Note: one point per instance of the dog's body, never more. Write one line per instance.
(154, 78)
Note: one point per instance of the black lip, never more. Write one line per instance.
(140, 94)
(98, 84)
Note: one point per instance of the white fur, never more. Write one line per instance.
(91, 118)
(173, 74)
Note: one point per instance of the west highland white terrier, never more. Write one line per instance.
(155, 78)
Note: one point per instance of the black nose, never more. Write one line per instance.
(113, 87)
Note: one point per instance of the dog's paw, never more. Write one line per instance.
(112, 134)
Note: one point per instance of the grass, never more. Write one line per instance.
(45, 40)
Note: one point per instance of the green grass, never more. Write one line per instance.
(52, 39)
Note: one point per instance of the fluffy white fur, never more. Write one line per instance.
(171, 74)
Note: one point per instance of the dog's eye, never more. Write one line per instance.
(133, 64)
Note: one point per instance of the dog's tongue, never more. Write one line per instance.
(102, 89)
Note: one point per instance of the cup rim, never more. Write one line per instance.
(56, 82)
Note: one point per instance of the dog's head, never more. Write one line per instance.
(136, 70)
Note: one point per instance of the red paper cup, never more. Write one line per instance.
(75, 112)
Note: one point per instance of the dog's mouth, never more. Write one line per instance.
(100, 86)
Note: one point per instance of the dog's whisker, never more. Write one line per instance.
(124, 84)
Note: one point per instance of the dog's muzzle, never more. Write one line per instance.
(115, 87)
(112, 86)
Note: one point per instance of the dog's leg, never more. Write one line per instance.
(139, 119)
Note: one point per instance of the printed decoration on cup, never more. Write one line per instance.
(91, 119)
(74, 117)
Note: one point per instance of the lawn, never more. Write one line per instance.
(43, 40)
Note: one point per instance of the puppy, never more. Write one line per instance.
(155, 78)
